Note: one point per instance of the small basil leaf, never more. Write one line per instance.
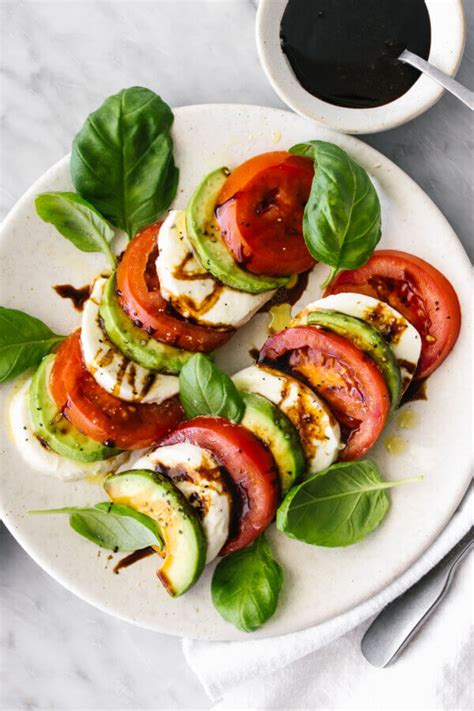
(121, 510)
(337, 507)
(78, 221)
(111, 526)
(204, 389)
(246, 586)
(342, 218)
(122, 159)
(24, 341)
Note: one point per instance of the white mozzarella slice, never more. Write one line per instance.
(196, 473)
(110, 368)
(191, 290)
(318, 430)
(403, 338)
(41, 457)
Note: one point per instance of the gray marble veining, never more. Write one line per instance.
(59, 60)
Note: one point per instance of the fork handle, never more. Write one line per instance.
(398, 623)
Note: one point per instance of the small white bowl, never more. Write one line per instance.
(448, 30)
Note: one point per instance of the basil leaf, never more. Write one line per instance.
(342, 218)
(24, 341)
(204, 389)
(111, 526)
(337, 507)
(78, 221)
(122, 159)
(246, 586)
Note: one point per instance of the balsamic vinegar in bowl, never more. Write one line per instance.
(345, 52)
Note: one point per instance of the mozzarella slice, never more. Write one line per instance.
(403, 338)
(191, 290)
(41, 457)
(196, 473)
(111, 369)
(318, 429)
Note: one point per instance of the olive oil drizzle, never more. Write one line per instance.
(280, 317)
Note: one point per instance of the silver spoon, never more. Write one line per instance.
(453, 86)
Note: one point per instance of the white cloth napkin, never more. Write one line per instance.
(269, 664)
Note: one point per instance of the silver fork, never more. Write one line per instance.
(394, 628)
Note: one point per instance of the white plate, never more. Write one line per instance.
(319, 583)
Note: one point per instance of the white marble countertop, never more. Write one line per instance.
(59, 61)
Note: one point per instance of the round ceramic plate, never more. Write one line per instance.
(319, 583)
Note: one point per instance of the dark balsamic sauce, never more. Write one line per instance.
(415, 391)
(78, 296)
(346, 51)
(133, 558)
(284, 295)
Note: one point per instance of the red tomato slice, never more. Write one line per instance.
(250, 466)
(139, 295)
(343, 375)
(102, 416)
(260, 213)
(419, 291)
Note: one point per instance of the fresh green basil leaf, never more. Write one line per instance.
(338, 506)
(246, 586)
(121, 510)
(122, 159)
(111, 526)
(204, 389)
(342, 218)
(78, 221)
(24, 341)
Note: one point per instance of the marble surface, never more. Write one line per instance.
(58, 62)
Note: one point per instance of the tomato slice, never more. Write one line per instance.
(248, 463)
(101, 416)
(343, 375)
(139, 295)
(419, 291)
(260, 213)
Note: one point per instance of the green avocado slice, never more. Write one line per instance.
(205, 237)
(135, 343)
(52, 427)
(274, 429)
(152, 494)
(369, 340)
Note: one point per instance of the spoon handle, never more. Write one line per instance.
(454, 87)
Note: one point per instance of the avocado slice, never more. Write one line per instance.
(269, 424)
(154, 495)
(210, 248)
(369, 340)
(54, 429)
(135, 343)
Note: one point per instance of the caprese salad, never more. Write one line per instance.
(220, 457)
